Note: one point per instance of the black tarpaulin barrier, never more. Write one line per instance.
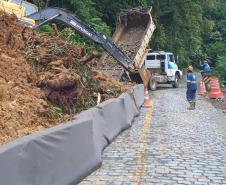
(65, 154)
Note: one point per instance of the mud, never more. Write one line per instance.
(21, 112)
(44, 80)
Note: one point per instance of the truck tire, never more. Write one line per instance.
(175, 84)
(152, 84)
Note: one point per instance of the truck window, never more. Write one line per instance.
(151, 57)
(161, 57)
(29, 8)
(171, 58)
(16, 1)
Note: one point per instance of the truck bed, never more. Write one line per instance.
(132, 35)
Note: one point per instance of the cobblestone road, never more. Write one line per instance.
(168, 145)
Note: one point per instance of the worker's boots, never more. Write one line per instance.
(192, 105)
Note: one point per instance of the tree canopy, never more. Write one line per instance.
(192, 29)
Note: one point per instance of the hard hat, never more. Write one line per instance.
(190, 68)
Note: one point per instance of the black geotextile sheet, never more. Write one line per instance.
(56, 156)
(65, 154)
(138, 93)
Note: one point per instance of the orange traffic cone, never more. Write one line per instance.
(147, 101)
(202, 88)
(215, 91)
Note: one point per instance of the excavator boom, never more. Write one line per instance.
(49, 14)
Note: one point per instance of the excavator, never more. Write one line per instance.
(20, 8)
(29, 15)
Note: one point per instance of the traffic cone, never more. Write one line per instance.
(215, 91)
(202, 88)
(147, 101)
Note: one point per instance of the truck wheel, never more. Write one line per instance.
(176, 82)
(152, 84)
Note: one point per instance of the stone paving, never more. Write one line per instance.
(168, 145)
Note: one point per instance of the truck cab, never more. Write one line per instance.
(163, 68)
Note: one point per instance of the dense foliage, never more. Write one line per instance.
(194, 30)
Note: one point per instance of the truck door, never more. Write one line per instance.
(162, 58)
(171, 65)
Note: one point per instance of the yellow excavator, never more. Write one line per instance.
(29, 15)
(20, 8)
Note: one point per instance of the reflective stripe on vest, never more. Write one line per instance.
(189, 81)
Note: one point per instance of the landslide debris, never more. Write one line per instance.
(44, 80)
(66, 75)
(12, 33)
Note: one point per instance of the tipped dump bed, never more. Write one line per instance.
(132, 35)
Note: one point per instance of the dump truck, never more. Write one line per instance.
(133, 32)
(129, 42)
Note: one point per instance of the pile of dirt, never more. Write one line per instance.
(44, 80)
(12, 33)
(66, 76)
(21, 112)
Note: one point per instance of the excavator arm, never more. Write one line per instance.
(49, 14)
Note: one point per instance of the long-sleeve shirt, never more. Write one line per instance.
(206, 68)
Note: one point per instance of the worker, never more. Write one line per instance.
(191, 88)
(206, 68)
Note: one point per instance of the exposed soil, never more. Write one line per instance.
(44, 80)
(21, 112)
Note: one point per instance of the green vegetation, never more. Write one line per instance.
(193, 30)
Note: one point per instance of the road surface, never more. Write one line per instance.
(168, 144)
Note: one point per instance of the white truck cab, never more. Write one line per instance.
(163, 68)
